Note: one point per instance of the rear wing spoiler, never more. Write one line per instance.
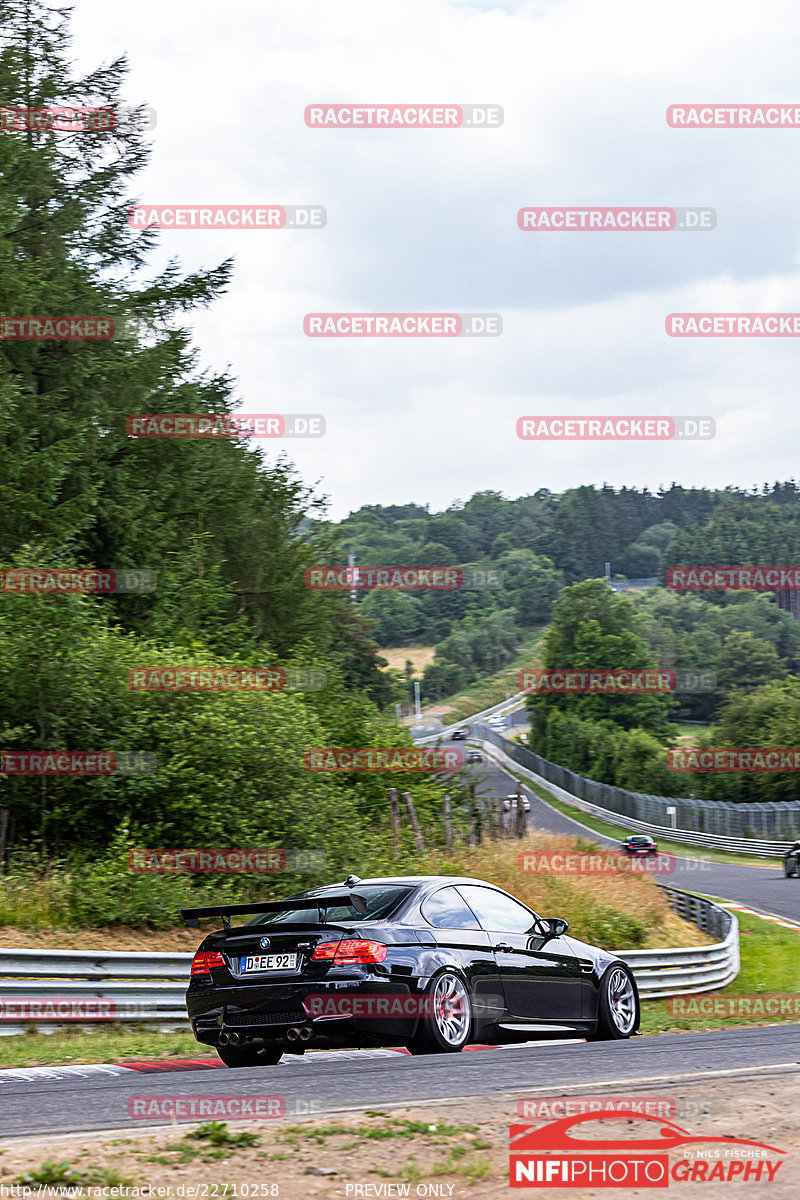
(192, 916)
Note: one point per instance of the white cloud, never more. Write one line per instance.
(427, 221)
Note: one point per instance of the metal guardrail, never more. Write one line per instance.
(150, 987)
(91, 987)
(662, 973)
(514, 753)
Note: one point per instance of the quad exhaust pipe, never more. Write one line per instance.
(295, 1034)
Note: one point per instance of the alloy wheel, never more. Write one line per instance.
(621, 1000)
(451, 1009)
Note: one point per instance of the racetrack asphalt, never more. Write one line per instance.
(323, 1085)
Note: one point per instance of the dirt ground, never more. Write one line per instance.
(420, 656)
(440, 1149)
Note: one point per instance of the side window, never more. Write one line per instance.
(497, 912)
(445, 909)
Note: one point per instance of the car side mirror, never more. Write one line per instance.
(556, 926)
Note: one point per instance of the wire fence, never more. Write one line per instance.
(778, 820)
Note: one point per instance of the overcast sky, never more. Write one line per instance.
(425, 220)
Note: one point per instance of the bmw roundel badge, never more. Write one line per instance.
(264, 943)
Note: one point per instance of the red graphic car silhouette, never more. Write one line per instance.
(556, 1135)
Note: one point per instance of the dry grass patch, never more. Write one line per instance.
(618, 912)
(397, 657)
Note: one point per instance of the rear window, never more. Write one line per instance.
(381, 901)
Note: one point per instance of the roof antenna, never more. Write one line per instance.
(359, 903)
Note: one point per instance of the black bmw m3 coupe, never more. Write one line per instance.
(432, 963)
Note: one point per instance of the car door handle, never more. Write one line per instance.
(505, 946)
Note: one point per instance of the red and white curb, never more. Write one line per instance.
(166, 1066)
(752, 912)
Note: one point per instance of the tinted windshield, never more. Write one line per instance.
(381, 900)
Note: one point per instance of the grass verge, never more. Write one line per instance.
(108, 1044)
(770, 966)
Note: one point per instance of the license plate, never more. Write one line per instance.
(268, 962)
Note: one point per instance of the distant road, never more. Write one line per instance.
(763, 888)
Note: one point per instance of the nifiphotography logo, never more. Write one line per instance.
(564, 1154)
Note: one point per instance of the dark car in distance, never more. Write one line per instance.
(460, 735)
(791, 860)
(639, 844)
(432, 963)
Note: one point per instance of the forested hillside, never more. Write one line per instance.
(228, 533)
(540, 543)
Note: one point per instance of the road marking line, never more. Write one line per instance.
(68, 1071)
(174, 1066)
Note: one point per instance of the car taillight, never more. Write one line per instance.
(204, 960)
(350, 950)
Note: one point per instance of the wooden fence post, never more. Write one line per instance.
(477, 822)
(412, 816)
(520, 823)
(395, 820)
(448, 824)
